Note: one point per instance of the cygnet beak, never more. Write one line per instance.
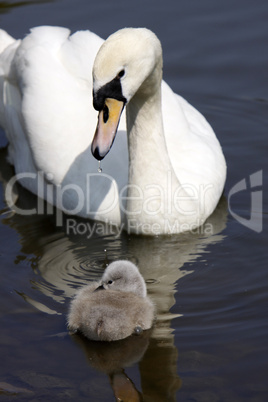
(99, 288)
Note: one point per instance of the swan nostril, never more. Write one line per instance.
(105, 114)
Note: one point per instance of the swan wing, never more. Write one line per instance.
(193, 148)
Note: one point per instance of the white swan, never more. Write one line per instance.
(172, 175)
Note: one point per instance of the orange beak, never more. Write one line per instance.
(108, 121)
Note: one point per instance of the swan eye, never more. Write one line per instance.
(120, 74)
(110, 282)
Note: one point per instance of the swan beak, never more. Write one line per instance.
(108, 121)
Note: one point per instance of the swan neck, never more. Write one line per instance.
(146, 140)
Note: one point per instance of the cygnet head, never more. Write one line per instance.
(124, 276)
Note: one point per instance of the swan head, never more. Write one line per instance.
(128, 63)
(124, 276)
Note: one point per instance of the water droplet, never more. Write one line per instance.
(99, 168)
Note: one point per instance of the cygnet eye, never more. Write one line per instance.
(110, 282)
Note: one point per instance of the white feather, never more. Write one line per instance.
(47, 113)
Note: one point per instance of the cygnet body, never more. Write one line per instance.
(114, 308)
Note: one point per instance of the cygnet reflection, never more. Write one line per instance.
(114, 308)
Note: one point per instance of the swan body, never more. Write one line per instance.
(165, 175)
(114, 308)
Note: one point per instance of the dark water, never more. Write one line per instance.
(210, 339)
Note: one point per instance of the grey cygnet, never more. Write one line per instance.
(114, 308)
